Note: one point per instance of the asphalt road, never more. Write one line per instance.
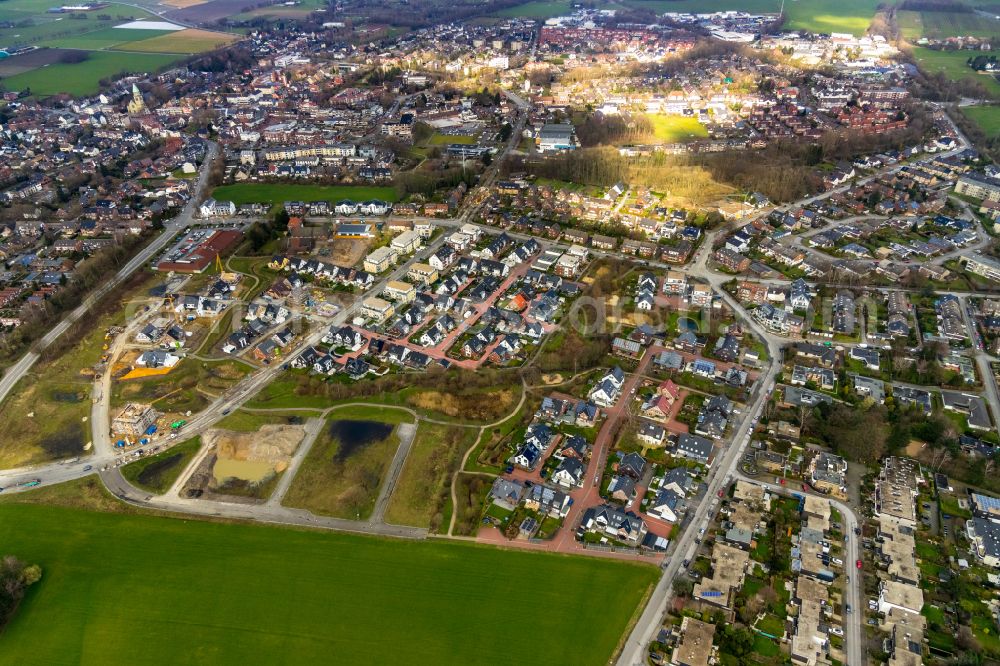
(852, 623)
(722, 473)
(17, 371)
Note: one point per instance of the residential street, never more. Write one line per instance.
(186, 217)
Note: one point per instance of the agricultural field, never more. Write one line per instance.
(953, 65)
(110, 47)
(853, 16)
(281, 10)
(158, 472)
(424, 485)
(940, 25)
(35, 26)
(106, 38)
(242, 193)
(676, 129)
(348, 598)
(84, 78)
(184, 42)
(344, 470)
(987, 117)
(538, 9)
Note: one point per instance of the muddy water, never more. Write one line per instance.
(253, 471)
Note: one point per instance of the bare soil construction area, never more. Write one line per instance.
(347, 252)
(244, 464)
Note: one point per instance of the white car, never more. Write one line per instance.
(836, 631)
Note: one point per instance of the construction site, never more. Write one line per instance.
(243, 466)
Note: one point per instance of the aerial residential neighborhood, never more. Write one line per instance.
(542, 332)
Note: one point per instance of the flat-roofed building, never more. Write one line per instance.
(406, 242)
(695, 647)
(986, 506)
(380, 259)
(377, 309)
(893, 594)
(728, 568)
(980, 264)
(400, 292)
(425, 274)
(985, 538)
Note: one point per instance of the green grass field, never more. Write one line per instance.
(851, 16)
(538, 9)
(345, 483)
(987, 117)
(953, 64)
(122, 589)
(158, 472)
(277, 193)
(83, 78)
(34, 25)
(102, 39)
(674, 129)
(448, 139)
(425, 483)
(939, 25)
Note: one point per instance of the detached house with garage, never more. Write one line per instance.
(611, 522)
(569, 473)
(607, 390)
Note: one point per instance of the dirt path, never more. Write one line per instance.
(313, 428)
(406, 432)
(465, 457)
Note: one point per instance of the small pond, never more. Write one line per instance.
(355, 435)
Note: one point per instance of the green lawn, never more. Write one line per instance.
(120, 589)
(770, 624)
(953, 64)
(157, 473)
(986, 117)
(765, 646)
(82, 78)
(278, 192)
(673, 129)
(241, 421)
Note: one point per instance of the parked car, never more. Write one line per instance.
(858, 564)
(836, 631)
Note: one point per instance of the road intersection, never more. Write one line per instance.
(723, 472)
